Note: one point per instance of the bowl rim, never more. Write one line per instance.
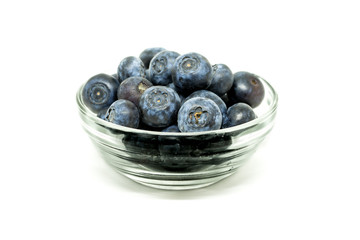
(272, 109)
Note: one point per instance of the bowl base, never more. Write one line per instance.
(175, 179)
(178, 184)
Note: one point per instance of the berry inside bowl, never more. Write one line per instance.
(179, 161)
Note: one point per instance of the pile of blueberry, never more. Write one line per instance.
(162, 90)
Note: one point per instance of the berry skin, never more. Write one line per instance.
(102, 113)
(161, 66)
(222, 79)
(238, 114)
(226, 100)
(99, 92)
(159, 106)
(124, 113)
(247, 88)
(147, 74)
(173, 87)
(130, 67)
(172, 128)
(148, 54)
(199, 114)
(116, 77)
(207, 94)
(191, 72)
(132, 88)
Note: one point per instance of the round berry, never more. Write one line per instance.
(247, 88)
(191, 72)
(199, 114)
(132, 88)
(148, 54)
(159, 106)
(222, 79)
(161, 66)
(124, 113)
(207, 94)
(238, 114)
(99, 92)
(130, 67)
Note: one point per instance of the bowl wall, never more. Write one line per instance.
(179, 161)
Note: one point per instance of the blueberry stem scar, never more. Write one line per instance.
(197, 115)
(142, 87)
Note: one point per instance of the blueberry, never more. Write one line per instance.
(99, 92)
(173, 87)
(143, 126)
(148, 54)
(116, 77)
(222, 79)
(212, 96)
(138, 144)
(172, 128)
(191, 72)
(124, 113)
(130, 67)
(101, 114)
(132, 88)
(147, 74)
(159, 106)
(237, 114)
(199, 114)
(161, 66)
(226, 100)
(247, 88)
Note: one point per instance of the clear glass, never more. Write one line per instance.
(179, 161)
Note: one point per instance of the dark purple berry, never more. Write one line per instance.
(247, 88)
(132, 88)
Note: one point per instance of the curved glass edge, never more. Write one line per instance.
(271, 111)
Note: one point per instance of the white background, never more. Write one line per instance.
(302, 183)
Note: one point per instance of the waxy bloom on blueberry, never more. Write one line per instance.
(131, 67)
(159, 106)
(191, 72)
(124, 113)
(222, 79)
(99, 92)
(161, 66)
(148, 54)
(207, 94)
(199, 114)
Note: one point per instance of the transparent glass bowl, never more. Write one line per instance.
(179, 161)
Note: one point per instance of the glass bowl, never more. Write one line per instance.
(179, 161)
